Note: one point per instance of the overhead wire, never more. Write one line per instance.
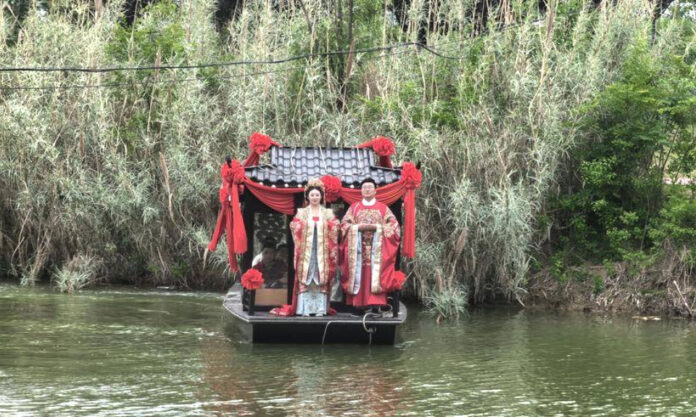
(191, 79)
(228, 63)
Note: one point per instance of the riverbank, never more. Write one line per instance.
(661, 290)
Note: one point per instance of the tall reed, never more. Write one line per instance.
(127, 174)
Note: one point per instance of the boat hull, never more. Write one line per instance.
(344, 327)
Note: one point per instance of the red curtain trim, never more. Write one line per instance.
(282, 200)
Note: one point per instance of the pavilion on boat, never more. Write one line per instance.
(258, 201)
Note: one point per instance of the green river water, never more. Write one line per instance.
(128, 352)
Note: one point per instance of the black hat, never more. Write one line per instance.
(368, 179)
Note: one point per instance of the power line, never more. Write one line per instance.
(229, 63)
(174, 81)
(131, 83)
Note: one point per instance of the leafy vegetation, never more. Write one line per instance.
(544, 133)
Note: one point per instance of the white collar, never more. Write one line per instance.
(368, 204)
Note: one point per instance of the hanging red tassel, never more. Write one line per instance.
(411, 178)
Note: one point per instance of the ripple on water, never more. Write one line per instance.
(140, 353)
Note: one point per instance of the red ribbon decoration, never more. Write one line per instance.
(259, 144)
(411, 178)
(232, 175)
(383, 147)
(332, 188)
(398, 280)
(252, 279)
(282, 200)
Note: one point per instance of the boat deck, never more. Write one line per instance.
(343, 327)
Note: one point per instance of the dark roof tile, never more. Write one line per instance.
(296, 165)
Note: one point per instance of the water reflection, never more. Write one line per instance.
(303, 380)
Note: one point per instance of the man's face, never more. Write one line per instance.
(368, 191)
(267, 255)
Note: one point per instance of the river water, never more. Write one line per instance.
(128, 352)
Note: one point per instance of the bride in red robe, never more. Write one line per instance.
(369, 244)
(315, 235)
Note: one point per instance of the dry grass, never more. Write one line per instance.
(129, 173)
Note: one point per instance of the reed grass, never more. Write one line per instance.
(128, 173)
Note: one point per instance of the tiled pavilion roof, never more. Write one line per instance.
(293, 166)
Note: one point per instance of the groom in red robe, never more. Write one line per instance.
(370, 240)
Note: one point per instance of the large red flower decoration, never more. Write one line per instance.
(252, 279)
(383, 146)
(237, 171)
(226, 173)
(398, 280)
(260, 143)
(380, 145)
(232, 172)
(411, 176)
(332, 188)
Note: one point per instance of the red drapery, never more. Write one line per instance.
(259, 144)
(282, 200)
(230, 216)
(383, 147)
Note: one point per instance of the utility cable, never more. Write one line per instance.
(228, 63)
(182, 80)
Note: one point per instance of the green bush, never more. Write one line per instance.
(127, 169)
(677, 220)
(638, 131)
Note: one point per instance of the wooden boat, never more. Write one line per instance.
(258, 217)
(346, 326)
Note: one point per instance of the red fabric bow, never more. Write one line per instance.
(383, 147)
(236, 173)
(252, 279)
(332, 188)
(398, 280)
(259, 144)
(411, 176)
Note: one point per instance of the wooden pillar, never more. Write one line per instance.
(248, 210)
(396, 295)
(396, 209)
(291, 258)
(299, 200)
(252, 301)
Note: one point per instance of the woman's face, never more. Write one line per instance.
(314, 197)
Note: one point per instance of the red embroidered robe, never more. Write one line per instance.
(302, 228)
(368, 257)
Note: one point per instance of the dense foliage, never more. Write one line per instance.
(545, 136)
